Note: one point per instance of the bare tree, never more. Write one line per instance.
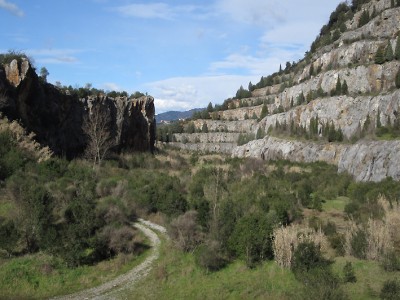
(100, 140)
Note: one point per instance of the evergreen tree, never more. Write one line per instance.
(389, 52)
(397, 49)
(391, 3)
(364, 19)
(397, 80)
(378, 119)
(338, 87)
(210, 107)
(311, 69)
(380, 55)
(204, 129)
(264, 111)
(335, 35)
(345, 88)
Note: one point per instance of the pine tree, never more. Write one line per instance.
(204, 129)
(364, 19)
(345, 88)
(338, 87)
(311, 69)
(264, 111)
(397, 49)
(378, 119)
(397, 80)
(380, 55)
(389, 52)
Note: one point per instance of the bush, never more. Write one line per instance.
(185, 232)
(359, 244)
(348, 272)
(390, 290)
(391, 262)
(308, 256)
(208, 256)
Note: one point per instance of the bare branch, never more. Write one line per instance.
(100, 140)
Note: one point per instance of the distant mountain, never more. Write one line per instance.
(176, 115)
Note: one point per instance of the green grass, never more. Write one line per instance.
(337, 204)
(42, 276)
(176, 276)
(370, 278)
(5, 208)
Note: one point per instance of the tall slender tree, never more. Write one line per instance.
(389, 52)
(397, 49)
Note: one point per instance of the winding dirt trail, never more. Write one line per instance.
(111, 289)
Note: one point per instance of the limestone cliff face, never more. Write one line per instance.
(372, 94)
(370, 161)
(56, 118)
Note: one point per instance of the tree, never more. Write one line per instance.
(210, 108)
(204, 129)
(345, 88)
(311, 69)
(380, 55)
(338, 90)
(96, 127)
(44, 73)
(364, 19)
(397, 49)
(348, 272)
(264, 111)
(389, 52)
(397, 80)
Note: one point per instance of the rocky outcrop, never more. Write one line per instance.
(57, 118)
(299, 95)
(367, 161)
(212, 137)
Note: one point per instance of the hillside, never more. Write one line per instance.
(335, 105)
(176, 115)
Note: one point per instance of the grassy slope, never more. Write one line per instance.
(41, 276)
(176, 276)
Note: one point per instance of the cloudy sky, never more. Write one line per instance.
(184, 53)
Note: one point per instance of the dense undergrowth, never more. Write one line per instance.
(222, 214)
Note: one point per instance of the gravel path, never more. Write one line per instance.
(111, 289)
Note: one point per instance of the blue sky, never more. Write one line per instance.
(184, 53)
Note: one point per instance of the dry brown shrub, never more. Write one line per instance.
(286, 239)
(24, 140)
(185, 232)
(381, 234)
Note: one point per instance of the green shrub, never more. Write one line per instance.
(306, 257)
(390, 290)
(208, 256)
(348, 273)
(359, 244)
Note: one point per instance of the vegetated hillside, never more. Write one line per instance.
(176, 115)
(338, 103)
(57, 115)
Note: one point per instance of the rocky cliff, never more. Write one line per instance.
(307, 93)
(56, 118)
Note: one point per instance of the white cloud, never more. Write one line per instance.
(253, 12)
(146, 11)
(111, 86)
(182, 93)
(293, 33)
(54, 56)
(156, 10)
(11, 7)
